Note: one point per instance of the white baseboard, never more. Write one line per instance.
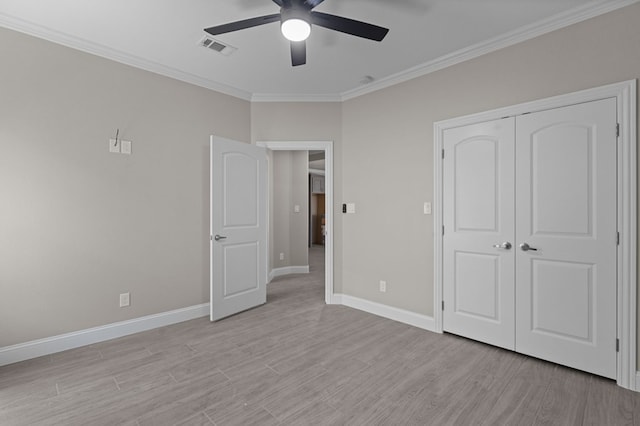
(637, 383)
(63, 342)
(417, 320)
(278, 272)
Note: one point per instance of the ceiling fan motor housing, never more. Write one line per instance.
(295, 12)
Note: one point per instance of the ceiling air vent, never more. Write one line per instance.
(216, 45)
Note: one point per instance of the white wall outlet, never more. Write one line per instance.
(125, 147)
(125, 300)
(351, 207)
(296, 208)
(281, 256)
(427, 208)
(383, 286)
(114, 146)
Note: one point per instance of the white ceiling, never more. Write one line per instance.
(162, 36)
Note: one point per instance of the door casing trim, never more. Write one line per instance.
(327, 147)
(625, 95)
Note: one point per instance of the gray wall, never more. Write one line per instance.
(288, 233)
(79, 225)
(387, 149)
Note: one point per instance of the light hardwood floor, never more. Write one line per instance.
(296, 361)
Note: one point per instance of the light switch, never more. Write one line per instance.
(351, 207)
(427, 208)
(125, 147)
(114, 146)
(296, 208)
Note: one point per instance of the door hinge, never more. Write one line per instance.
(443, 305)
(442, 229)
(618, 130)
(443, 154)
(617, 238)
(211, 237)
(617, 345)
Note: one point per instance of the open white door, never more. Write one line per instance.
(238, 211)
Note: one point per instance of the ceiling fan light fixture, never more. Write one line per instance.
(295, 29)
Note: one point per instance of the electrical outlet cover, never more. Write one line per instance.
(124, 300)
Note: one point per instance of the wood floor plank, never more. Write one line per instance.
(240, 413)
(195, 401)
(317, 413)
(171, 402)
(608, 404)
(200, 419)
(565, 399)
(69, 408)
(520, 398)
(26, 393)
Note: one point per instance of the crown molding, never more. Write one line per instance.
(522, 34)
(77, 43)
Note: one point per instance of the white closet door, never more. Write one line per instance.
(479, 232)
(566, 213)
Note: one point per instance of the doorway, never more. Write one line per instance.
(327, 148)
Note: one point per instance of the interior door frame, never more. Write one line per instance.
(625, 95)
(327, 147)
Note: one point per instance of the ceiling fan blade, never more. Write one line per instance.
(241, 25)
(349, 26)
(298, 53)
(312, 3)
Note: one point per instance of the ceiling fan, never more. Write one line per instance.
(296, 18)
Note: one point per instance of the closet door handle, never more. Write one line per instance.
(527, 247)
(506, 245)
(219, 237)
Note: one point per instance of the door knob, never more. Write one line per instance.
(527, 247)
(506, 245)
(219, 237)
